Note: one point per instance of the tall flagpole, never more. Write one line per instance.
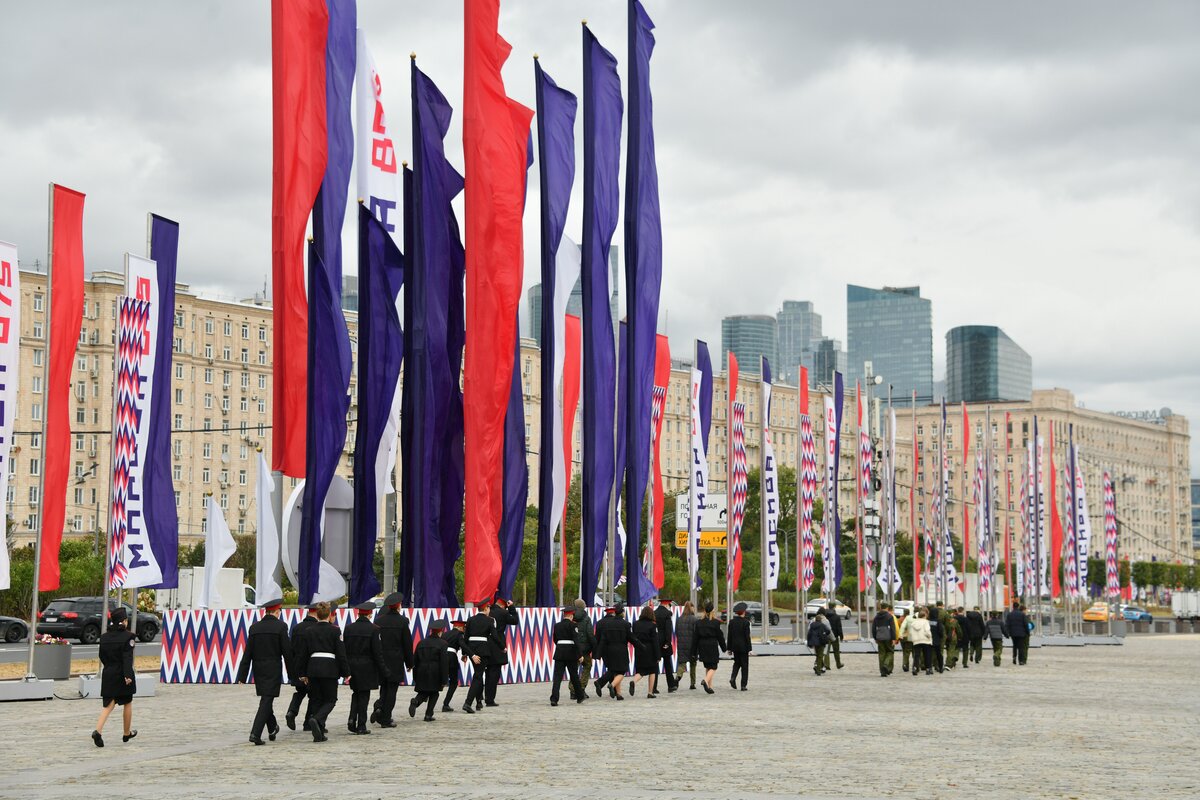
(1008, 573)
(912, 498)
(858, 494)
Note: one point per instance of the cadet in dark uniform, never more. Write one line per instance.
(710, 641)
(396, 638)
(996, 632)
(884, 632)
(962, 640)
(666, 630)
(454, 640)
(478, 647)
(976, 628)
(614, 635)
(364, 654)
(1017, 624)
(936, 631)
(320, 661)
(566, 657)
(585, 639)
(431, 663)
(117, 680)
(302, 627)
(834, 621)
(646, 657)
(739, 646)
(267, 645)
(505, 615)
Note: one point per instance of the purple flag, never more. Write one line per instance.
(328, 338)
(162, 519)
(643, 282)
(380, 354)
(602, 110)
(431, 416)
(409, 405)
(838, 399)
(622, 421)
(516, 482)
(556, 148)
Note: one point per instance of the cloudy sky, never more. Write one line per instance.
(1029, 165)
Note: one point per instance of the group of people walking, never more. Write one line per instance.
(935, 637)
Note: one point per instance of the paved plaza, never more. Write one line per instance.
(1076, 722)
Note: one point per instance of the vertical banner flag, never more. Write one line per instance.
(10, 362)
(133, 317)
(515, 490)
(602, 110)
(266, 553)
(662, 380)
(572, 378)
(770, 488)
(982, 508)
(701, 416)
(1008, 565)
(299, 29)
(889, 573)
(140, 559)
(66, 316)
(618, 557)
(740, 486)
(643, 284)
(1083, 527)
(380, 181)
(808, 489)
(555, 120)
(917, 473)
(1056, 529)
(495, 150)
(733, 523)
(831, 538)
(866, 564)
(966, 512)
(1022, 567)
(218, 547)
(161, 515)
(949, 573)
(1070, 549)
(1112, 573)
(1038, 486)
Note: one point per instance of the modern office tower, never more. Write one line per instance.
(892, 328)
(828, 357)
(534, 296)
(799, 329)
(749, 336)
(983, 364)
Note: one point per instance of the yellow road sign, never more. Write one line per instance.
(709, 540)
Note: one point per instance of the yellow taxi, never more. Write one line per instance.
(1096, 612)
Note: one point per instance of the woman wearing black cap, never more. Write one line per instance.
(710, 641)
(117, 681)
(646, 658)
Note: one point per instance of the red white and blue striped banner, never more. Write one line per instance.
(982, 526)
(808, 490)
(132, 318)
(1112, 584)
(10, 361)
(205, 645)
(739, 488)
(1083, 527)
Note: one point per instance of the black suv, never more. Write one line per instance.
(79, 618)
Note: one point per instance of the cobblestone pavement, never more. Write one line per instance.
(1077, 722)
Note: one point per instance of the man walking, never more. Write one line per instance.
(321, 660)
(431, 662)
(302, 627)
(996, 632)
(962, 640)
(665, 621)
(885, 633)
(936, 632)
(738, 642)
(504, 615)
(976, 628)
(455, 650)
(1018, 630)
(478, 647)
(396, 638)
(819, 637)
(566, 657)
(267, 645)
(906, 645)
(364, 654)
(834, 623)
(585, 640)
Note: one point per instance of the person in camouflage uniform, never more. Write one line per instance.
(952, 633)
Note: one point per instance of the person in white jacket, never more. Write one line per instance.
(922, 639)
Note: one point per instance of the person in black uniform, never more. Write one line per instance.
(935, 630)
(267, 645)
(478, 647)
(505, 615)
(964, 640)
(710, 641)
(302, 627)
(396, 638)
(117, 681)
(364, 653)
(739, 646)
(566, 657)
(321, 660)
(454, 640)
(585, 638)
(666, 629)
(431, 663)
(976, 628)
(835, 626)
(614, 635)
(646, 657)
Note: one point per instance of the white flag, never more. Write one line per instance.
(10, 360)
(1083, 528)
(567, 266)
(218, 547)
(697, 484)
(380, 177)
(267, 553)
(770, 486)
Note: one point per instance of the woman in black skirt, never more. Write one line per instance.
(647, 657)
(117, 681)
(710, 643)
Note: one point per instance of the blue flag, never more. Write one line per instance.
(516, 482)
(162, 518)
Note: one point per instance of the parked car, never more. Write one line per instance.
(1135, 614)
(13, 629)
(754, 614)
(902, 608)
(1097, 612)
(79, 618)
(820, 605)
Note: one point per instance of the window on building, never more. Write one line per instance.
(208, 325)
(178, 422)
(207, 449)
(227, 328)
(225, 403)
(208, 375)
(178, 319)
(262, 406)
(177, 447)
(79, 442)
(226, 378)
(262, 357)
(179, 371)
(39, 301)
(245, 330)
(207, 424)
(35, 441)
(179, 397)
(208, 351)
(177, 499)
(34, 494)
(262, 381)
(208, 400)
(244, 404)
(226, 353)
(37, 329)
(262, 333)
(81, 415)
(205, 475)
(38, 355)
(241, 477)
(245, 380)
(176, 472)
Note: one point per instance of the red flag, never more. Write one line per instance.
(1056, 528)
(572, 374)
(730, 399)
(1008, 573)
(298, 32)
(495, 137)
(662, 380)
(966, 536)
(66, 315)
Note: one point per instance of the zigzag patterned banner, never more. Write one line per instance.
(740, 487)
(133, 317)
(808, 497)
(205, 645)
(1112, 574)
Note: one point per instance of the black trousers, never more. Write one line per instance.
(668, 669)
(265, 717)
(451, 686)
(964, 646)
(477, 681)
(359, 702)
(741, 663)
(429, 699)
(561, 668)
(939, 657)
(322, 697)
(493, 680)
(386, 703)
(1020, 648)
(923, 657)
(297, 699)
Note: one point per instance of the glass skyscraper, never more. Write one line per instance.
(983, 364)
(893, 329)
(750, 337)
(828, 357)
(799, 329)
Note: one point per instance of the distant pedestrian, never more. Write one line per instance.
(647, 657)
(585, 639)
(117, 680)
(267, 648)
(885, 633)
(395, 635)
(976, 629)
(432, 662)
(685, 640)
(666, 630)
(834, 623)
(320, 661)
(740, 646)
(505, 615)
(934, 616)
(819, 637)
(566, 657)
(456, 650)
(615, 636)
(1018, 627)
(963, 640)
(710, 641)
(921, 635)
(298, 632)
(364, 654)
(996, 631)
(906, 644)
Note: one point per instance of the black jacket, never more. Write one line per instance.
(646, 656)
(566, 647)
(976, 627)
(504, 617)
(298, 632)
(1017, 624)
(996, 629)
(883, 619)
(963, 637)
(314, 651)
(267, 645)
(585, 636)
(431, 664)
(739, 635)
(396, 638)
(935, 628)
(615, 634)
(478, 637)
(710, 640)
(666, 627)
(116, 662)
(835, 625)
(364, 653)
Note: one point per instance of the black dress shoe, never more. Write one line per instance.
(632, 688)
(599, 691)
(467, 708)
(672, 689)
(127, 736)
(412, 707)
(744, 689)
(363, 732)
(649, 697)
(272, 732)
(387, 724)
(707, 688)
(352, 728)
(732, 685)
(429, 718)
(97, 739)
(256, 741)
(375, 715)
(447, 709)
(478, 705)
(554, 702)
(619, 696)
(692, 687)
(490, 704)
(290, 719)
(612, 692)
(580, 699)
